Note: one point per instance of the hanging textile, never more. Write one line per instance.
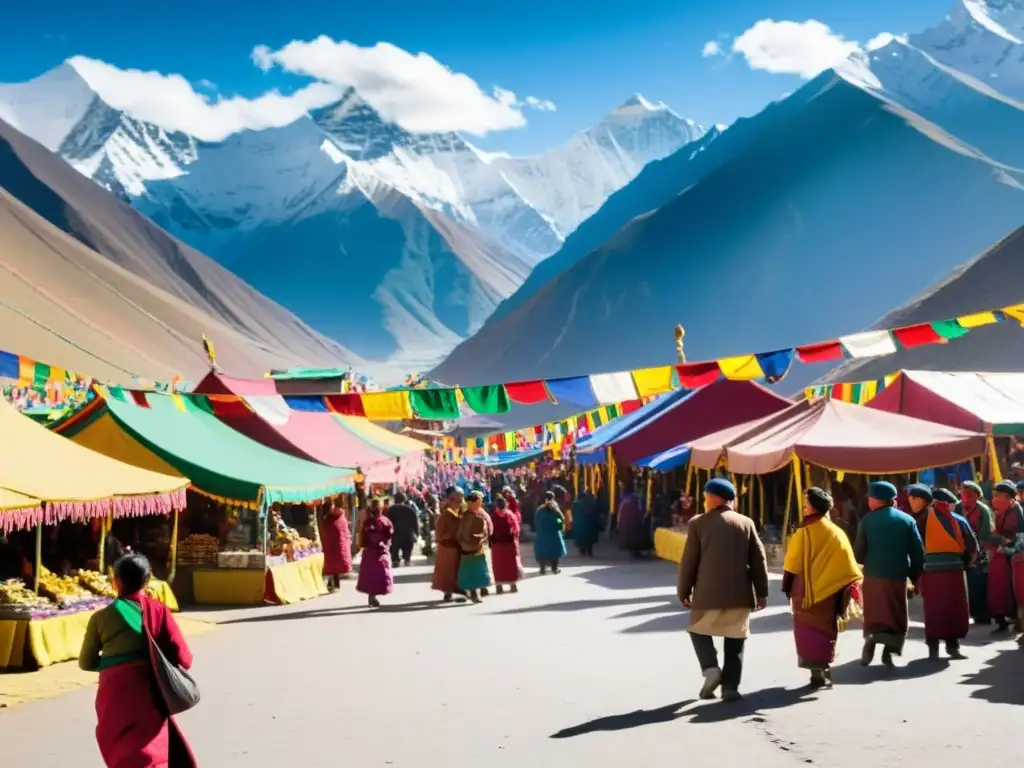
(487, 400)
(917, 335)
(434, 404)
(613, 387)
(868, 344)
(695, 375)
(652, 381)
(527, 392)
(345, 405)
(576, 391)
(742, 368)
(387, 406)
(775, 365)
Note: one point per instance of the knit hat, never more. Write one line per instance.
(943, 496)
(1005, 486)
(820, 500)
(883, 491)
(720, 487)
(919, 491)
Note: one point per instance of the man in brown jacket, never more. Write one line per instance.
(722, 577)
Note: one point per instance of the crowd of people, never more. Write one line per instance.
(957, 555)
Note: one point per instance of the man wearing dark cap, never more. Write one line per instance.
(1008, 522)
(949, 547)
(978, 515)
(723, 576)
(889, 545)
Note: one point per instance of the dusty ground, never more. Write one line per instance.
(588, 668)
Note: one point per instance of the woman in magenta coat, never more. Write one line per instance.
(505, 556)
(336, 542)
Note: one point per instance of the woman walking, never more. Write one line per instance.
(133, 728)
(505, 556)
(821, 575)
(447, 559)
(375, 565)
(336, 542)
(549, 542)
(586, 525)
(474, 530)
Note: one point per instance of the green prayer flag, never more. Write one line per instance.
(117, 393)
(489, 399)
(857, 393)
(40, 375)
(610, 410)
(434, 404)
(949, 329)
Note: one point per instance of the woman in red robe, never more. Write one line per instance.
(336, 542)
(133, 728)
(505, 556)
(513, 503)
(1008, 522)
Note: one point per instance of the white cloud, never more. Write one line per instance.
(793, 48)
(711, 48)
(414, 90)
(171, 102)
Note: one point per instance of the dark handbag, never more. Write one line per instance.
(177, 687)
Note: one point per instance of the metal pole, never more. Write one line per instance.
(39, 558)
(174, 549)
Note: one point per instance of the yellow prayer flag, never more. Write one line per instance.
(179, 403)
(890, 378)
(1016, 312)
(977, 320)
(387, 406)
(652, 381)
(26, 370)
(868, 390)
(742, 368)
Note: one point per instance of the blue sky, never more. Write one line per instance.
(585, 57)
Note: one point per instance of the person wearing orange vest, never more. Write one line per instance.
(950, 547)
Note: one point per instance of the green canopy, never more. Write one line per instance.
(218, 460)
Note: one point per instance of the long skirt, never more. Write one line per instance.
(816, 629)
(886, 619)
(946, 606)
(507, 562)
(474, 572)
(1017, 565)
(337, 546)
(977, 591)
(375, 574)
(132, 731)
(1001, 601)
(446, 569)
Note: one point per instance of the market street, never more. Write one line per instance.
(588, 668)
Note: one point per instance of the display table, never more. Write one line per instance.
(25, 643)
(669, 543)
(282, 584)
(161, 591)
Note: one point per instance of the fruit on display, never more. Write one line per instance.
(97, 583)
(63, 590)
(14, 593)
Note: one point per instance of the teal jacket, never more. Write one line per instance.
(889, 545)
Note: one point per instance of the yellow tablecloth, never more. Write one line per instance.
(669, 543)
(299, 580)
(48, 641)
(229, 586)
(161, 590)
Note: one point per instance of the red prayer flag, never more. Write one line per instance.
(527, 392)
(820, 353)
(346, 405)
(628, 406)
(139, 398)
(917, 335)
(694, 375)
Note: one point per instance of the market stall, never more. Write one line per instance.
(47, 482)
(235, 548)
(254, 408)
(835, 437)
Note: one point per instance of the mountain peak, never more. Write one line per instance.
(637, 104)
(48, 106)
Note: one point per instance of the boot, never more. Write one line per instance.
(1002, 625)
(887, 658)
(514, 588)
(712, 679)
(868, 654)
(543, 569)
(484, 592)
(374, 602)
(953, 650)
(500, 589)
(933, 650)
(819, 679)
(474, 595)
(448, 597)
(731, 694)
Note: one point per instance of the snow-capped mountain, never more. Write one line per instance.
(570, 182)
(47, 107)
(810, 220)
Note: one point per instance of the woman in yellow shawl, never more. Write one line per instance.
(821, 576)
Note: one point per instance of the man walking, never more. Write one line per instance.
(889, 546)
(406, 523)
(723, 576)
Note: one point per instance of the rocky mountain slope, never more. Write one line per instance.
(814, 219)
(90, 284)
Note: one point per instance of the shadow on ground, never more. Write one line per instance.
(1001, 680)
(698, 713)
(348, 610)
(852, 673)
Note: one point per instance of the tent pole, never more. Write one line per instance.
(760, 497)
(789, 502)
(101, 553)
(750, 497)
(174, 549)
(799, 496)
(611, 487)
(39, 558)
(994, 472)
(650, 492)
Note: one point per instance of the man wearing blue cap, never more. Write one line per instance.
(979, 516)
(723, 576)
(890, 547)
(949, 547)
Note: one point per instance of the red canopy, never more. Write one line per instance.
(708, 409)
(839, 436)
(262, 414)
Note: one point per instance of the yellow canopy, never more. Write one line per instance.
(72, 481)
